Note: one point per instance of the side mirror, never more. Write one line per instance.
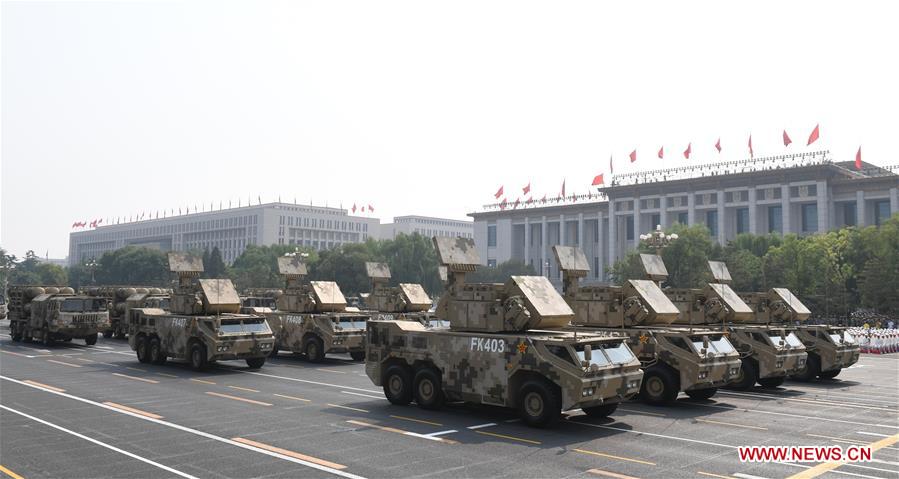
(588, 353)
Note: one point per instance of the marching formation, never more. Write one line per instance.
(519, 344)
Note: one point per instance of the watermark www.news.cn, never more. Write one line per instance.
(804, 453)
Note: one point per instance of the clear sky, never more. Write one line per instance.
(114, 108)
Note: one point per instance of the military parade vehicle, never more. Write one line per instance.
(202, 324)
(312, 317)
(829, 348)
(120, 298)
(407, 301)
(259, 300)
(505, 346)
(768, 354)
(696, 361)
(50, 313)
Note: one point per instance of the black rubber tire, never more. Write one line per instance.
(604, 410)
(156, 354)
(108, 333)
(539, 403)
(15, 333)
(812, 369)
(46, 338)
(255, 363)
(427, 389)
(830, 374)
(198, 357)
(314, 349)
(274, 353)
(749, 375)
(357, 355)
(660, 386)
(701, 394)
(141, 346)
(772, 383)
(91, 340)
(398, 385)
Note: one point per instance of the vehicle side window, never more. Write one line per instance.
(561, 352)
(679, 342)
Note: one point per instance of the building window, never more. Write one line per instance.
(656, 220)
(491, 263)
(809, 218)
(629, 227)
(849, 210)
(683, 218)
(491, 236)
(881, 211)
(742, 220)
(775, 219)
(711, 221)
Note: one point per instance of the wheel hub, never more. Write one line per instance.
(533, 404)
(426, 390)
(396, 385)
(654, 386)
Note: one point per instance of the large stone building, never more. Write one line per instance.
(801, 194)
(427, 226)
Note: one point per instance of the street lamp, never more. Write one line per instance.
(92, 265)
(658, 239)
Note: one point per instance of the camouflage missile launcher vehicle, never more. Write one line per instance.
(311, 318)
(259, 300)
(696, 361)
(506, 346)
(120, 298)
(202, 324)
(50, 313)
(407, 301)
(829, 348)
(768, 354)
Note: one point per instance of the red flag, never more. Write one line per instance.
(751, 153)
(502, 204)
(526, 189)
(661, 152)
(718, 145)
(354, 207)
(563, 188)
(93, 224)
(371, 209)
(787, 139)
(74, 225)
(530, 200)
(598, 180)
(633, 156)
(517, 202)
(544, 199)
(498, 193)
(688, 150)
(858, 158)
(814, 136)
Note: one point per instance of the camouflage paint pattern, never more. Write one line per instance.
(834, 353)
(770, 348)
(405, 302)
(292, 330)
(30, 315)
(177, 333)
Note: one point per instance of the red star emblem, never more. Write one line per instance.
(522, 347)
(644, 338)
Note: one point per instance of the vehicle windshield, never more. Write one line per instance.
(163, 304)
(351, 323)
(618, 353)
(598, 357)
(438, 323)
(794, 341)
(835, 338)
(79, 305)
(717, 344)
(242, 327)
(849, 338)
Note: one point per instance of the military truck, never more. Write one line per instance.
(829, 348)
(50, 313)
(506, 346)
(202, 324)
(407, 301)
(768, 353)
(311, 318)
(696, 361)
(120, 298)
(259, 300)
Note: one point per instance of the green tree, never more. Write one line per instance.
(32, 270)
(257, 266)
(412, 259)
(501, 273)
(879, 279)
(133, 265)
(213, 265)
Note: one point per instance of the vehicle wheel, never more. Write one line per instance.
(27, 336)
(46, 339)
(600, 411)
(157, 355)
(427, 388)
(398, 385)
(198, 357)
(830, 374)
(699, 394)
(141, 347)
(255, 363)
(274, 353)
(771, 383)
(749, 375)
(91, 340)
(315, 350)
(15, 334)
(357, 355)
(539, 403)
(660, 386)
(812, 369)
(107, 334)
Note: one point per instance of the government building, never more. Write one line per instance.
(800, 194)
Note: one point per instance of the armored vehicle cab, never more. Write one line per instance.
(829, 348)
(505, 346)
(768, 354)
(407, 301)
(50, 313)
(696, 361)
(311, 318)
(259, 301)
(202, 324)
(121, 298)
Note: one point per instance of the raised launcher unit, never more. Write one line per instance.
(311, 318)
(829, 348)
(505, 346)
(768, 354)
(122, 298)
(51, 313)
(696, 361)
(202, 325)
(407, 301)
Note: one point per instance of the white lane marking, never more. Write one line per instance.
(872, 434)
(747, 476)
(512, 420)
(482, 425)
(663, 436)
(819, 402)
(319, 383)
(194, 431)
(103, 347)
(774, 413)
(363, 395)
(852, 464)
(441, 433)
(99, 443)
(881, 461)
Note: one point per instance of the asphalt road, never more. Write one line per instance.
(76, 411)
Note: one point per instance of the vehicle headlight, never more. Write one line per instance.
(802, 362)
(779, 364)
(734, 371)
(633, 384)
(588, 392)
(703, 374)
(223, 348)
